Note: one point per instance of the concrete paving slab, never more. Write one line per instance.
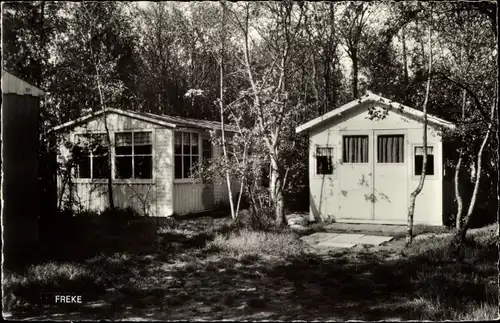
(334, 244)
(347, 238)
(373, 240)
(318, 237)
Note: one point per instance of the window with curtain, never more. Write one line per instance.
(324, 160)
(134, 155)
(419, 160)
(355, 149)
(186, 153)
(390, 149)
(91, 155)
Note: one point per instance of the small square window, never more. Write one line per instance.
(324, 160)
(419, 160)
(355, 149)
(390, 149)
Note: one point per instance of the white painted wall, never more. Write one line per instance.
(342, 196)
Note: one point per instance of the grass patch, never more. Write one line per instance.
(236, 273)
(40, 282)
(483, 312)
(247, 242)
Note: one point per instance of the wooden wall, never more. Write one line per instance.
(20, 142)
(92, 195)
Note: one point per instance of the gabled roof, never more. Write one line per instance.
(162, 120)
(14, 85)
(370, 97)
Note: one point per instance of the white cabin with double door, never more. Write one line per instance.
(365, 159)
(151, 160)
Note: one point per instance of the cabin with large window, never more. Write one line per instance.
(151, 163)
(365, 159)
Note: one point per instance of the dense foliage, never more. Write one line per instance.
(283, 63)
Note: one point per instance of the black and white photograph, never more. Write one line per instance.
(250, 161)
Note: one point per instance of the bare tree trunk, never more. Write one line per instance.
(458, 197)
(103, 107)
(243, 179)
(405, 61)
(319, 110)
(108, 137)
(275, 186)
(110, 160)
(221, 103)
(416, 192)
(355, 73)
(462, 232)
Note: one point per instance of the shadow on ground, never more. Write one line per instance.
(180, 278)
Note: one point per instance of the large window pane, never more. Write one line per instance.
(194, 144)
(123, 139)
(83, 167)
(178, 143)
(143, 150)
(123, 167)
(123, 143)
(142, 138)
(187, 166)
(178, 166)
(143, 167)
(123, 150)
(186, 144)
(207, 149)
(100, 167)
(142, 143)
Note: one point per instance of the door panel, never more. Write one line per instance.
(355, 177)
(390, 190)
(356, 187)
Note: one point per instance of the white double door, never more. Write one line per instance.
(374, 188)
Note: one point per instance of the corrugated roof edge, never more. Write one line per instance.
(164, 120)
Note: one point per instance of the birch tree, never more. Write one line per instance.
(271, 104)
(418, 189)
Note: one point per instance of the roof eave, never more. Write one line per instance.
(368, 97)
(118, 111)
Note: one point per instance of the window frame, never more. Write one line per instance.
(413, 169)
(134, 180)
(90, 179)
(343, 150)
(335, 165)
(200, 154)
(113, 155)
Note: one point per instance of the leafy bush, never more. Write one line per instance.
(121, 213)
(262, 221)
(486, 236)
